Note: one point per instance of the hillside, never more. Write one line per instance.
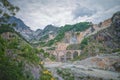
(82, 36)
(18, 59)
(99, 58)
(59, 34)
(21, 28)
(30, 35)
(43, 35)
(80, 51)
(105, 41)
(50, 35)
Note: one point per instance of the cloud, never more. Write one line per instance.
(39, 13)
(81, 11)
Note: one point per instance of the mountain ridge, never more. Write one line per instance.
(21, 27)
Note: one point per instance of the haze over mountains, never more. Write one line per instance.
(80, 50)
(41, 34)
(27, 33)
(39, 13)
(98, 43)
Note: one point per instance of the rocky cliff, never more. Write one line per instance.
(105, 41)
(22, 28)
(18, 59)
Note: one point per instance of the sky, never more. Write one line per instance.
(39, 13)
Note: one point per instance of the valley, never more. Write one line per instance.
(80, 51)
(75, 64)
(72, 63)
(76, 71)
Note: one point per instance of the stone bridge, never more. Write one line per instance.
(64, 55)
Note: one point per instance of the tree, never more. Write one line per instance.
(6, 10)
(9, 70)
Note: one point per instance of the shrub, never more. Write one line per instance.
(84, 43)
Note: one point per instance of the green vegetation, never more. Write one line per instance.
(84, 43)
(8, 28)
(5, 28)
(17, 56)
(20, 46)
(36, 44)
(51, 48)
(44, 38)
(116, 51)
(9, 69)
(73, 47)
(46, 75)
(65, 74)
(11, 8)
(49, 43)
(29, 53)
(47, 55)
(82, 26)
(76, 27)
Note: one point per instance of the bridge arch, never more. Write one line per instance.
(64, 55)
(75, 54)
(68, 55)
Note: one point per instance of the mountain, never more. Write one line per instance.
(81, 36)
(49, 29)
(18, 59)
(29, 34)
(14, 52)
(22, 28)
(105, 41)
(68, 33)
(37, 32)
(49, 32)
(99, 57)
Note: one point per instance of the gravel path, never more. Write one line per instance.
(83, 70)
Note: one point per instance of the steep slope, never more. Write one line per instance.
(60, 37)
(44, 34)
(105, 41)
(95, 28)
(100, 56)
(29, 34)
(50, 29)
(37, 32)
(18, 59)
(18, 52)
(20, 27)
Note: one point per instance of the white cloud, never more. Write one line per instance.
(39, 13)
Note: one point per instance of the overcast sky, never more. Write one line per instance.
(39, 13)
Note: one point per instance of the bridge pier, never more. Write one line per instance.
(71, 56)
(65, 58)
(79, 52)
(58, 57)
